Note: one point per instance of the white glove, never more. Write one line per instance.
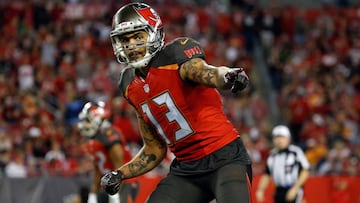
(92, 198)
(114, 198)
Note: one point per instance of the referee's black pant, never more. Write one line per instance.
(280, 195)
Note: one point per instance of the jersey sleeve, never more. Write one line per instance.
(186, 48)
(267, 165)
(109, 137)
(301, 158)
(126, 76)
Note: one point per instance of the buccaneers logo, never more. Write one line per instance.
(150, 16)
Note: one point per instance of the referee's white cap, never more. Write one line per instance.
(281, 130)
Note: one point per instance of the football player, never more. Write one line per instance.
(174, 92)
(107, 147)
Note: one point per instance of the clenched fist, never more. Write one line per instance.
(238, 78)
(111, 182)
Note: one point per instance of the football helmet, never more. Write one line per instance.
(92, 117)
(135, 17)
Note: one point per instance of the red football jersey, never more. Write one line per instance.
(188, 116)
(99, 146)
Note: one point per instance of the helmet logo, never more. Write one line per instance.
(146, 88)
(149, 15)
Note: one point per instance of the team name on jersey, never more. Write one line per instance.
(192, 51)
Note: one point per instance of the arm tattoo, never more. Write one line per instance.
(141, 165)
(198, 71)
(151, 154)
(153, 136)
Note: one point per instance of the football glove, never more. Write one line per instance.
(238, 78)
(110, 182)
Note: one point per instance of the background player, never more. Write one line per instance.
(107, 147)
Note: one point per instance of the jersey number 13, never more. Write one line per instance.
(173, 115)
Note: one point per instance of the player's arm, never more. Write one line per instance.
(222, 77)
(149, 156)
(96, 182)
(116, 155)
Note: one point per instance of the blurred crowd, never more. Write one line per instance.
(56, 55)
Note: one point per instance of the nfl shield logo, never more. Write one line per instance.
(146, 88)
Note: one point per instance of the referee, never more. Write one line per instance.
(288, 168)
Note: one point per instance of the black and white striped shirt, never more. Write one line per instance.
(284, 166)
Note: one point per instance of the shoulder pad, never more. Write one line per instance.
(185, 48)
(126, 76)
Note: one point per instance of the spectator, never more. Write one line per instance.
(336, 159)
(5, 150)
(16, 167)
(55, 153)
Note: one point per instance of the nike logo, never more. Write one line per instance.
(183, 42)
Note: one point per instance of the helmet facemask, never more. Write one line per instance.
(89, 128)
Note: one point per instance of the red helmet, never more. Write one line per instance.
(92, 117)
(134, 17)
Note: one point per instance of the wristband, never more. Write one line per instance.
(114, 198)
(92, 198)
